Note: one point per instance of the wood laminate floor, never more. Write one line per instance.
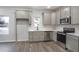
(31, 47)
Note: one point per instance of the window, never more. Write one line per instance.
(4, 24)
(36, 21)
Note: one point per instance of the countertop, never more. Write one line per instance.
(74, 34)
(45, 30)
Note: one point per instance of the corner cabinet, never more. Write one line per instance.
(75, 15)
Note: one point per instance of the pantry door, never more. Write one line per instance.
(22, 35)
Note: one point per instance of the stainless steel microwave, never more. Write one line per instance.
(66, 20)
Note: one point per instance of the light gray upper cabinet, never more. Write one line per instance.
(68, 11)
(46, 18)
(53, 18)
(22, 14)
(65, 11)
(75, 15)
(62, 12)
(30, 18)
(58, 16)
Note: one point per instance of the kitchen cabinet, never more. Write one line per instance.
(36, 36)
(72, 43)
(47, 36)
(58, 16)
(30, 18)
(62, 12)
(72, 11)
(49, 18)
(22, 14)
(68, 11)
(46, 18)
(53, 18)
(53, 36)
(75, 15)
(65, 11)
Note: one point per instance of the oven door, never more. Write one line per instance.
(61, 37)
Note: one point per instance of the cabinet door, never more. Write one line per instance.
(65, 11)
(38, 36)
(58, 16)
(30, 36)
(53, 36)
(53, 18)
(41, 36)
(72, 43)
(46, 18)
(68, 11)
(22, 14)
(30, 18)
(75, 15)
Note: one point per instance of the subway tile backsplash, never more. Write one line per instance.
(60, 27)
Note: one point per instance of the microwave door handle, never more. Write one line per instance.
(66, 19)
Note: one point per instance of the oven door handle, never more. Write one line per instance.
(62, 33)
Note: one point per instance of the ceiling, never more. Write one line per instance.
(45, 7)
(33, 7)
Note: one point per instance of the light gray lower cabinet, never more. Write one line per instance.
(42, 36)
(72, 43)
(53, 36)
(36, 36)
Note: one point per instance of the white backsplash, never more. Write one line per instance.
(38, 13)
(60, 27)
(46, 27)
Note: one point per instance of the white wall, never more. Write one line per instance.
(11, 36)
(12, 25)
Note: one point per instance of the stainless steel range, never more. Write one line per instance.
(61, 36)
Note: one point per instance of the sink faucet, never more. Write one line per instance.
(37, 27)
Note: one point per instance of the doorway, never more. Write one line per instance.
(22, 34)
